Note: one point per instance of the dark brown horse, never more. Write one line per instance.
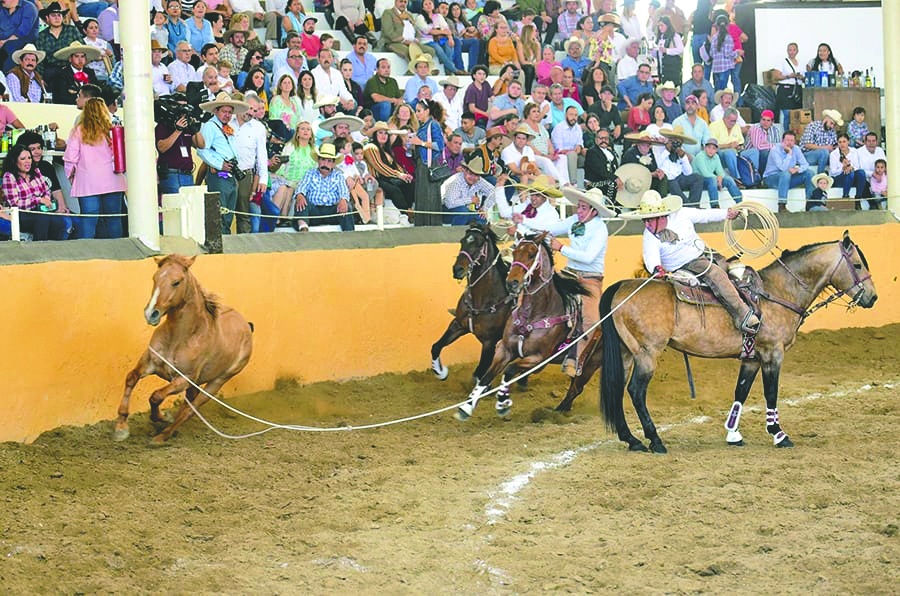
(540, 322)
(637, 333)
(485, 304)
(208, 342)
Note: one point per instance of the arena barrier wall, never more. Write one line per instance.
(74, 328)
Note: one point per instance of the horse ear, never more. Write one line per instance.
(159, 260)
(190, 261)
(846, 241)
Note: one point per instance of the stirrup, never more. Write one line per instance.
(746, 327)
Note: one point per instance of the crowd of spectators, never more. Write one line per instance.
(297, 128)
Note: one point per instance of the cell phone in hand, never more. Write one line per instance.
(284, 158)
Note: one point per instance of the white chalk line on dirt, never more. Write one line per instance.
(502, 499)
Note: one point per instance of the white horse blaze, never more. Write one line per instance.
(152, 304)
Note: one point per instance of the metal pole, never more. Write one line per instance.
(140, 147)
(891, 25)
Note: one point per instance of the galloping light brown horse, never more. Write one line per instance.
(638, 332)
(540, 320)
(208, 342)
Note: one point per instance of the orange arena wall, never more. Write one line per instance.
(75, 328)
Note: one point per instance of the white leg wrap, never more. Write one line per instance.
(734, 436)
(439, 370)
(734, 418)
(779, 437)
(464, 411)
(504, 406)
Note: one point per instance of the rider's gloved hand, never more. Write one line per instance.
(659, 272)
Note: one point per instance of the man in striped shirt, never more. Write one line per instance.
(761, 138)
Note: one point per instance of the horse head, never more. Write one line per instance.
(851, 275)
(473, 250)
(170, 286)
(526, 260)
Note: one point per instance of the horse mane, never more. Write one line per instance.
(569, 288)
(211, 303)
(791, 254)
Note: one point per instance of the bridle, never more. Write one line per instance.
(478, 260)
(535, 267)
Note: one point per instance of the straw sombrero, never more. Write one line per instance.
(833, 114)
(28, 49)
(668, 85)
(635, 182)
(644, 137)
(594, 197)
(353, 122)
(572, 40)
(523, 129)
(222, 100)
(653, 205)
(422, 57)
(90, 52)
(477, 166)
(326, 151)
(676, 133)
(823, 175)
(609, 18)
(327, 100)
(541, 185)
(451, 81)
(226, 37)
(727, 91)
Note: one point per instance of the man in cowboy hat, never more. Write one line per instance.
(676, 163)
(671, 243)
(517, 151)
(234, 50)
(327, 106)
(495, 139)
(398, 33)
(340, 125)
(575, 58)
(586, 254)
(159, 72)
(219, 153)
(23, 82)
(708, 165)
(55, 36)
(534, 211)
(467, 195)
(66, 82)
(323, 191)
(640, 153)
(628, 63)
(666, 100)
(452, 101)
(820, 138)
(726, 98)
(18, 28)
(421, 66)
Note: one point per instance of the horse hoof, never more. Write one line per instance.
(658, 448)
(638, 447)
(786, 443)
(503, 407)
(120, 434)
(735, 443)
(440, 371)
(462, 415)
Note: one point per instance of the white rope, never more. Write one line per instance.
(767, 232)
(274, 425)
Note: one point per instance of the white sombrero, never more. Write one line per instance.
(635, 182)
(541, 185)
(353, 122)
(327, 100)
(653, 205)
(222, 100)
(28, 49)
(90, 52)
(594, 197)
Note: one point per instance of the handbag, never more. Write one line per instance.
(440, 172)
(796, 93)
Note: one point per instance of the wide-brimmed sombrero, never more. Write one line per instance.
(327, 100)
(653, 205)
(423, 58)
(644, 137)
(226, 37)
(353, 122)
(28, 49)
(609, 18)
(523, 129)
(326, 151)
(594, 197)
(476, 165)
(822, 176)
(222, 100)
(90, 52)
(635, 182)
(541, 185)
(832, 114)
(676, 133)
(727, 91)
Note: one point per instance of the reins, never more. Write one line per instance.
(474, 263)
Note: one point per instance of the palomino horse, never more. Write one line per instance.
(208, 342)
(638, 331)
(484, 305)
(539, 323)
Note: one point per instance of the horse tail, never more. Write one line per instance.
(252, 328)
(612, 377)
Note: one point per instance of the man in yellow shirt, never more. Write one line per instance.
(728, 133)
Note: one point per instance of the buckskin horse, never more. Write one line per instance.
(485, 304)
(208, 342)
(540, 321)
(635, 335)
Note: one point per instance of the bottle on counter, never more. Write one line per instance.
(868, 79)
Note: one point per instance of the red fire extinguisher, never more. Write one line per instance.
(118, 148)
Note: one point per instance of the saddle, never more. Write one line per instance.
(690, 289)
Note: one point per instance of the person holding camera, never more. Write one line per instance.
(218, 153)
(177, 131)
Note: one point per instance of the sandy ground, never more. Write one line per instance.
(487, 506)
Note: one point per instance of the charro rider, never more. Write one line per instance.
(671, 243)
(586, 254)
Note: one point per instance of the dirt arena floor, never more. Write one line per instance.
(487, 506)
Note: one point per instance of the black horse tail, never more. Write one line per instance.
(612, 377)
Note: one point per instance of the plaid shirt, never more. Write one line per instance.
(458, 193)
(761, 139)
(323, 191)
(47, 43)
(25, 194)
(722, 59)
(815, 134)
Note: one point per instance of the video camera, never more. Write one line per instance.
(238, 173)
(169, 109)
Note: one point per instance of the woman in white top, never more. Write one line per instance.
(103, 66)
(434, 32)
(789, 92)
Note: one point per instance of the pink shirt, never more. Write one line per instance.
(90, 167)
(310, 44)
(6, 117)
(542, 72)
(735, 32)
(878, 187)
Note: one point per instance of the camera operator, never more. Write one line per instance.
(177, 131)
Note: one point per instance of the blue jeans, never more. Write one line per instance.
(696, 42)
(381, 111)
(461, 216)
(264, 224)
(720, 80)
(174, 181)
(818, 159)
(856, 179)
(92, 9)
(109, 227)
(227, 189)
(345, 221)
(444, 53)
(729, 160)
(736, 80)
(758, 158)
(785, 119)
(784, 181)
(712, 188)
(471, 46)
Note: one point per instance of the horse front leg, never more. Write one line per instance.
(194, 397)
(749, 369)
(771, 371)
(175, 387)
(454, 331)
(637, 389)
(502, 358)
(141, 370)
(488, 349)
(590, 362)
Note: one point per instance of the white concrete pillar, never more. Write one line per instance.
(891, 25)
(140, 147)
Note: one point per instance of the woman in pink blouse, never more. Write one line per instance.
(26, 188)
(89, 166)
(548, 61)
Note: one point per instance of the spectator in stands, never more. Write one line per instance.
(857, 127)
(91, 8)
(631, 24)
(158, 29)
(351, 19)
(595, 79)
(452, 101)
(570, 89)
(470, 134)
(640, 153)
(175, 163)
(669, 51)
(352, 87)
(701, 24)
(878, 185)
(206, 88)
(631, 88)
(218, 152)
(381, 93)
(726, 98)
(820, 138)
(844, 167)
(567, 23)
(323, 191)
(297, 158)
(548, 61)
(486, 22)
(309, 43)
(627, 66)
(23, 82)
(568, 140)
(529, 50)
(870, 153)
(761, 138)
(35, 144)
(604, 48)
(103, 66)
(575, 58)
(822, 183)
(789, 92)
(739, 38)
(159, 72)
(421, 67)
(466, 38)
(241, 22)
(559, 105)
(509, 103)
(452, 157)
(175, 25)
(25, 187)
(108, 20)
(234, 50)
(639, 114)
(608, 113)
(675, 16)
(708, 165)
(55, 36)
(600, 164)
(728, 133)
(434, 32)
(66, 82)
(403, 120)
(199, 29)
(223, 10)
(697, 81)
(180, 69)
(502, 50)
(720, 51)
(287, 108)
(398, 34)
(364, 63)
(293, 20)
(667, 92)
(392, 178)
(89, 165)
(825, 62)
(329, 81)
(18, 28)
(429, 139)
(518, 151)
(253, 9)
(703, 104)
(467, 195)
(787, 168)
(249, 143)
(676, 163)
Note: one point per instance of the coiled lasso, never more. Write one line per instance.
(759, 223)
